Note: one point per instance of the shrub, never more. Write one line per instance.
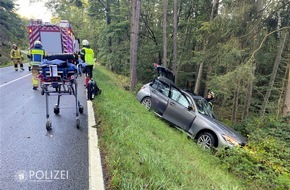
(264, 162)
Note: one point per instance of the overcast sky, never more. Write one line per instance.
(33, 10)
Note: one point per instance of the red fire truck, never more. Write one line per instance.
(55, 38)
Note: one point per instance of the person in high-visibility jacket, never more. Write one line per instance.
(87, 55)
(16, 57)
(37, 54)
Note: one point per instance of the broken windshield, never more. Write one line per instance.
(204, 107)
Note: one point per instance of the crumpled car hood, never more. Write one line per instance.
(224, 128)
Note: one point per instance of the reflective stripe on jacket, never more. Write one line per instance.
(37, 55)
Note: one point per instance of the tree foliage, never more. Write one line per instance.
(12, 29)
(235, 42)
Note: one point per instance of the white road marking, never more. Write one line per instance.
(14, 80)
(96, 180)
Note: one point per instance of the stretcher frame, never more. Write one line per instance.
(59, 81)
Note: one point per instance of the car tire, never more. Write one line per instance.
(146, 102)
(207, 140)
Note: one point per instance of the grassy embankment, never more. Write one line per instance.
(142, 152)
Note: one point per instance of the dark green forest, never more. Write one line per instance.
(238, 49)
(12, 30)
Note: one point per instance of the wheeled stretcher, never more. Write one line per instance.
(58, 78)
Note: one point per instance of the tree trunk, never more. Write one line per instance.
(198, 79)
(164, 33)
(214, 11)
(136, 11)
(286, 107)
(235, 103)
(274, 72)
(108, 14)
(175, 39)
(107, 6)
(186, 42)
(248, 96)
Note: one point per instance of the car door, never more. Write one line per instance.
(159, 96)
(177, 111)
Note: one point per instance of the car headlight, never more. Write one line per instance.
(230, 140)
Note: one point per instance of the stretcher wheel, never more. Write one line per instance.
(48, 125)
(56, 110)
(78, 123)
(81, 109)
(42, 91)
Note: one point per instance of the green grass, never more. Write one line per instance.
(140, 151)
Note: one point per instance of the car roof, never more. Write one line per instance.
(196, 96)
(169, 82)
(192, 94)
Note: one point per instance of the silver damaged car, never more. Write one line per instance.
(190, 113)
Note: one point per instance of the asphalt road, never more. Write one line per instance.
(32, 158)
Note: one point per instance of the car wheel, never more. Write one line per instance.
(207, 140)
(146, 102)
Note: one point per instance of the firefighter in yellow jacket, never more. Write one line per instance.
(37, 54)
(16, 57)
(87, 55)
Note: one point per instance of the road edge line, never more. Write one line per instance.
(96, 179)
